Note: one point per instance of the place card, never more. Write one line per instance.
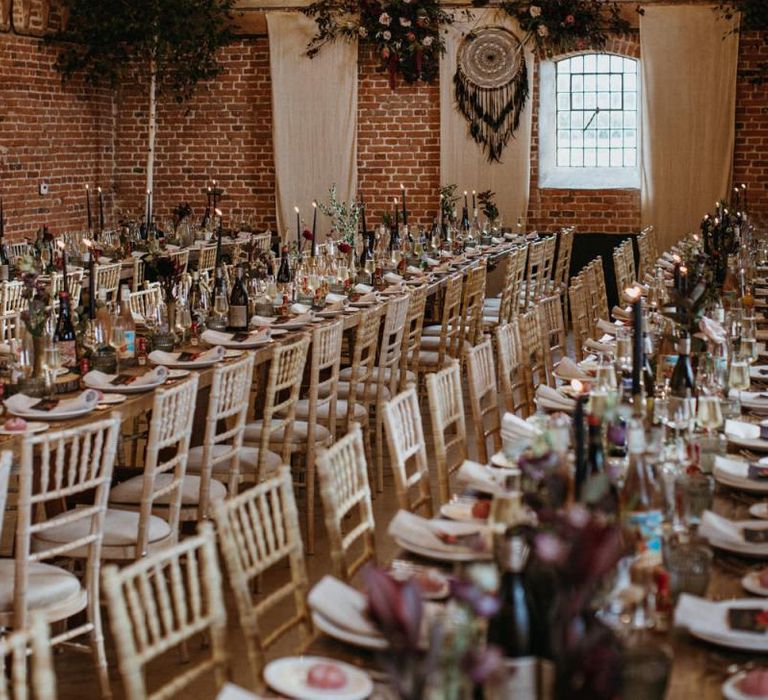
(186, 356)
(123, 380)
(757, 472)
(755, 536)
(748, 619)
(764, 432)
(240, 337)
(45, 405)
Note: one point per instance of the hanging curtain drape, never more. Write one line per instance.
(689, 58)
(462, 160)
(314, 120)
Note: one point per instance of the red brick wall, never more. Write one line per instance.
(223, 133)
(60, 134)
(750, 163)
(593, 211)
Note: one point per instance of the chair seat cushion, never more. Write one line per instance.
(432, 342)
(323, 412)
(371, 392)
(249, 460)
(129, 492)
(299, 434)
(431, 359)
(346, 373)
(46, 586)
(121, 528)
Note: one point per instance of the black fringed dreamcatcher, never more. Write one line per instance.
(491, 86)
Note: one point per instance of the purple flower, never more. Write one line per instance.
(549, 547)
(483, 665)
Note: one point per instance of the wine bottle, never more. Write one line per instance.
(595, 453)
(127, 352)
(284, 271)
(649, 384)
(683, 385)
(238, 304)
(65, 336)
(641, 499)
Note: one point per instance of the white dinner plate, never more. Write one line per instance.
(759, 373)
(751, 584)
(330, 313)
(364, 641)
(124, 388)
(256, 341)
(745, 641)
(200, 363)
(288, 676)
(55, 416)
(32, 428)
(410, 571)
(755, 444)
(759, 510)
(459, 510)
(178, 373)
(461, 554)
(232, 354)
(740, 483)
(743, 549)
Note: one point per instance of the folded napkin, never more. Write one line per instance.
(732, 467)
(621, 314)
(666, 264)
(332, 298)
(300, 309)
(160, 357)
(607, 327)
(496, 241)
(427, 533)
(344, 606)
(219, 338)
(305, 317)
(481, 477)
(716, 527)
(392, 278)
(361, 288)
(23, 403)
(365, 298)
(596, 346)
(99, 380)
(445, 254)
(754, 398)
(414, 271)
(514, 430)
(568, 369)
(713, 330)
(702, 615)
(262, 320)
(740, 429)
(553, 399)
(431, 262)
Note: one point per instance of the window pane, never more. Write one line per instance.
(603, 100)
(603, 63)
(616, 100)
(617, 83)
(603, 138)
(577, 83)
(563, 101)
(563, 139)
(630, 120)
(590, 138)
(563, 159)
(630, 101)
(590, 100)
(630, 82)
(617, 64)
(603, 120)
(577, 64)
(577, 100)
(630, 157)
(565, 66)
(577, 139)
(590, 159)
(603, 158)
(563, 120)
(577, 120)
(590, 63)
(617, 139)
(616, 159)
(590, 83)
(604, 82)
(630, 138)
(577, 158)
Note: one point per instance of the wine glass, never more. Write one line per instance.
(709, 416)
(52, 364)
(738, 377)
(183, 320)
(117, 340)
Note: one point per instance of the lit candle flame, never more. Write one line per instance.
(98, 189)
(677, 258)
(87, 243)
(473, 193)
(632, 293)
(577, 386)
(314, 204)
(87, 187)
(296, 209)
(465, 193)
(402, 186)
(61, 244)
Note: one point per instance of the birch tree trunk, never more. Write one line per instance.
(151, 137)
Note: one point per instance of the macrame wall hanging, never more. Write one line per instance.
(491, 86)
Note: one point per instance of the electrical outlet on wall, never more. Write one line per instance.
(43, 188)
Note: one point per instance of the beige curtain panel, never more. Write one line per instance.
(689, 60)
(462, 161)
(314, 120)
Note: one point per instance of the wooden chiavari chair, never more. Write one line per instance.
(14, 668)
(58, 467)
(546, 279)
(562, 273)
(74, 286)
(108, 278)
(18, 250)
(181, 257)
(432, 356)
(473, 295)
(645, 261)
(536, 252)
(145, 300)
(138, 274)
(259, 530)
(345, 491)
(412, 334)
(10, 326)
(11, 297)
(405, 437)
(515, 378)
(499, 310)
(161, 486)
(315, 423)
(207, 260)
(262, 242)
(594, 281)
(534, 354)
(279, 413)
(162, 602)
(580, 322)
(449, 430)
(554, 336)
(483, 399)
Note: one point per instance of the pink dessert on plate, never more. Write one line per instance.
(755, 683)
(16, 425)
(326, 676)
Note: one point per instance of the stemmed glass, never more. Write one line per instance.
(738, 377)
(183, 320)
(709, 416)
(52, 364)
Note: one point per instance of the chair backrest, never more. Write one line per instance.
(451, 332)
(258, 530)
(449, 429)
(405, 437)
(645, 261)
(535, 355)
(181, 257)
(138, 274)
(391, 345)
(545, 277)
(629, 261)
(514, 276)
(74, 286)
(554, 336)
(414, 325)
(207, 260)
(224, 426)
(362, 361)
(281, 394)
(108, 278)
(18, 250)
(14, 650)
(515, 377)
(143, 300)
(483, 399)
(579, 318)
(564, 254)
(6, 460)
(262, 242)
(345, 491)
(12, 298)
(10, 326)
(325, 362)
(58, 466)
(170, 430)
(596, 291)
(473, 294)
(158, 603)
(533, 268)
(620, 270)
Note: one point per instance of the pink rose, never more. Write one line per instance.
(570, 19)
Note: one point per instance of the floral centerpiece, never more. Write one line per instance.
(405, 33)
(487, 200)
(560, 26)
(165, 270)
(345, 219)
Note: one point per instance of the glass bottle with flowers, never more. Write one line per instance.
(35, 317)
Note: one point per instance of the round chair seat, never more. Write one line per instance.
(47, 586)
(129, 492)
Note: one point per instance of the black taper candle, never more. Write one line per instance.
(88, 207)
(637, 345)
(314, 229)
(101, 210)
(580, 475)
(2, 219)
(91, 285)
(405, 210)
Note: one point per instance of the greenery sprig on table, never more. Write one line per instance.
(345, 216)
(406, 34)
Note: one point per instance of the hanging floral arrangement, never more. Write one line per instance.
(754, 17)
(405, 33)
(561, 26)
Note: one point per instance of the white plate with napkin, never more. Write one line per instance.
(295, 323)
(187, 359)
(482, 478)
(734, 473)
(342, 612)
(758, 373)
(289, 677)
(755, 401)
(708, 620)
(550, 399)
(747, 435)
(517, 434)
(126, 384)
(568, 370)
(254, 339)
(57, 409)
(597, 346)
(444, 540)
(731, 535)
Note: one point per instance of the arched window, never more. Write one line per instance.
(590, 122)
